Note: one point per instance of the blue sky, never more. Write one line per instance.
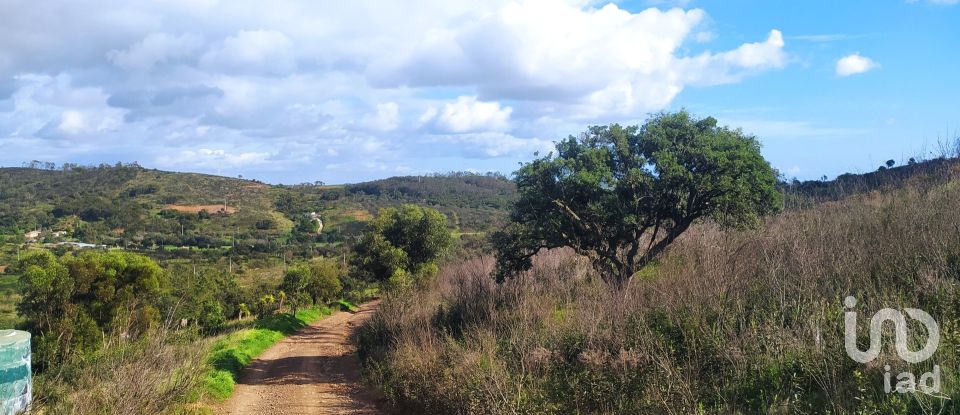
(842, 124)
(300, 90)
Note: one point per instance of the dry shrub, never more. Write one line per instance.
(726, 322)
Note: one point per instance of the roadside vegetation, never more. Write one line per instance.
(726, 320)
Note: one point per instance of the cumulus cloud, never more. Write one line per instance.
(467, 114)
(575, 57)
(309, 87)
(492, 144)
(854, 64)
(53, 107)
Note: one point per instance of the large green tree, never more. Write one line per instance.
(404, 241)
(621, 195)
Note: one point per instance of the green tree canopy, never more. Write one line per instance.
(621, 195)
(402, 241)
(324, 282)
(294, 285)
(313, 282)
(73, 302)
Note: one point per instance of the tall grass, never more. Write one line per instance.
(155, 375)
(726, 322)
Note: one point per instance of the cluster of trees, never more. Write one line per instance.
(313, 282)
(28, 196)
(77, 303)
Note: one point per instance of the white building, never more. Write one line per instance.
(314, 216)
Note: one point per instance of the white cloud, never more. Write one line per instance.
(467, 114)
(305, 84)
(734, 65)
(156, 48)
(51, 106)
(854, 64)
(213, 158)
(253, 51)
(386, 117)
(492, 144)
(575, 57)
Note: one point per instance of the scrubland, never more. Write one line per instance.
(736, 321)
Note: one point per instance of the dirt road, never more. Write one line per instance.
(312, 372)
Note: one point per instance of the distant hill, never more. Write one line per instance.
(471, 201)
(918, 175)
(128, 205)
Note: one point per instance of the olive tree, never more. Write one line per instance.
(621, 195)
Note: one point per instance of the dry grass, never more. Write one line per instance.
(361, 215)
(211, 209)
(154, 376)
(727, 322)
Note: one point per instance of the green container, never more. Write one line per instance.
(15, 382)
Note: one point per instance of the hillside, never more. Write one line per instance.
(918, 175)
(131, 206)
(139, 208)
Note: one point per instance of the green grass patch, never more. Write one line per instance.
(345, 305)
(231, 354)
(9, 297)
